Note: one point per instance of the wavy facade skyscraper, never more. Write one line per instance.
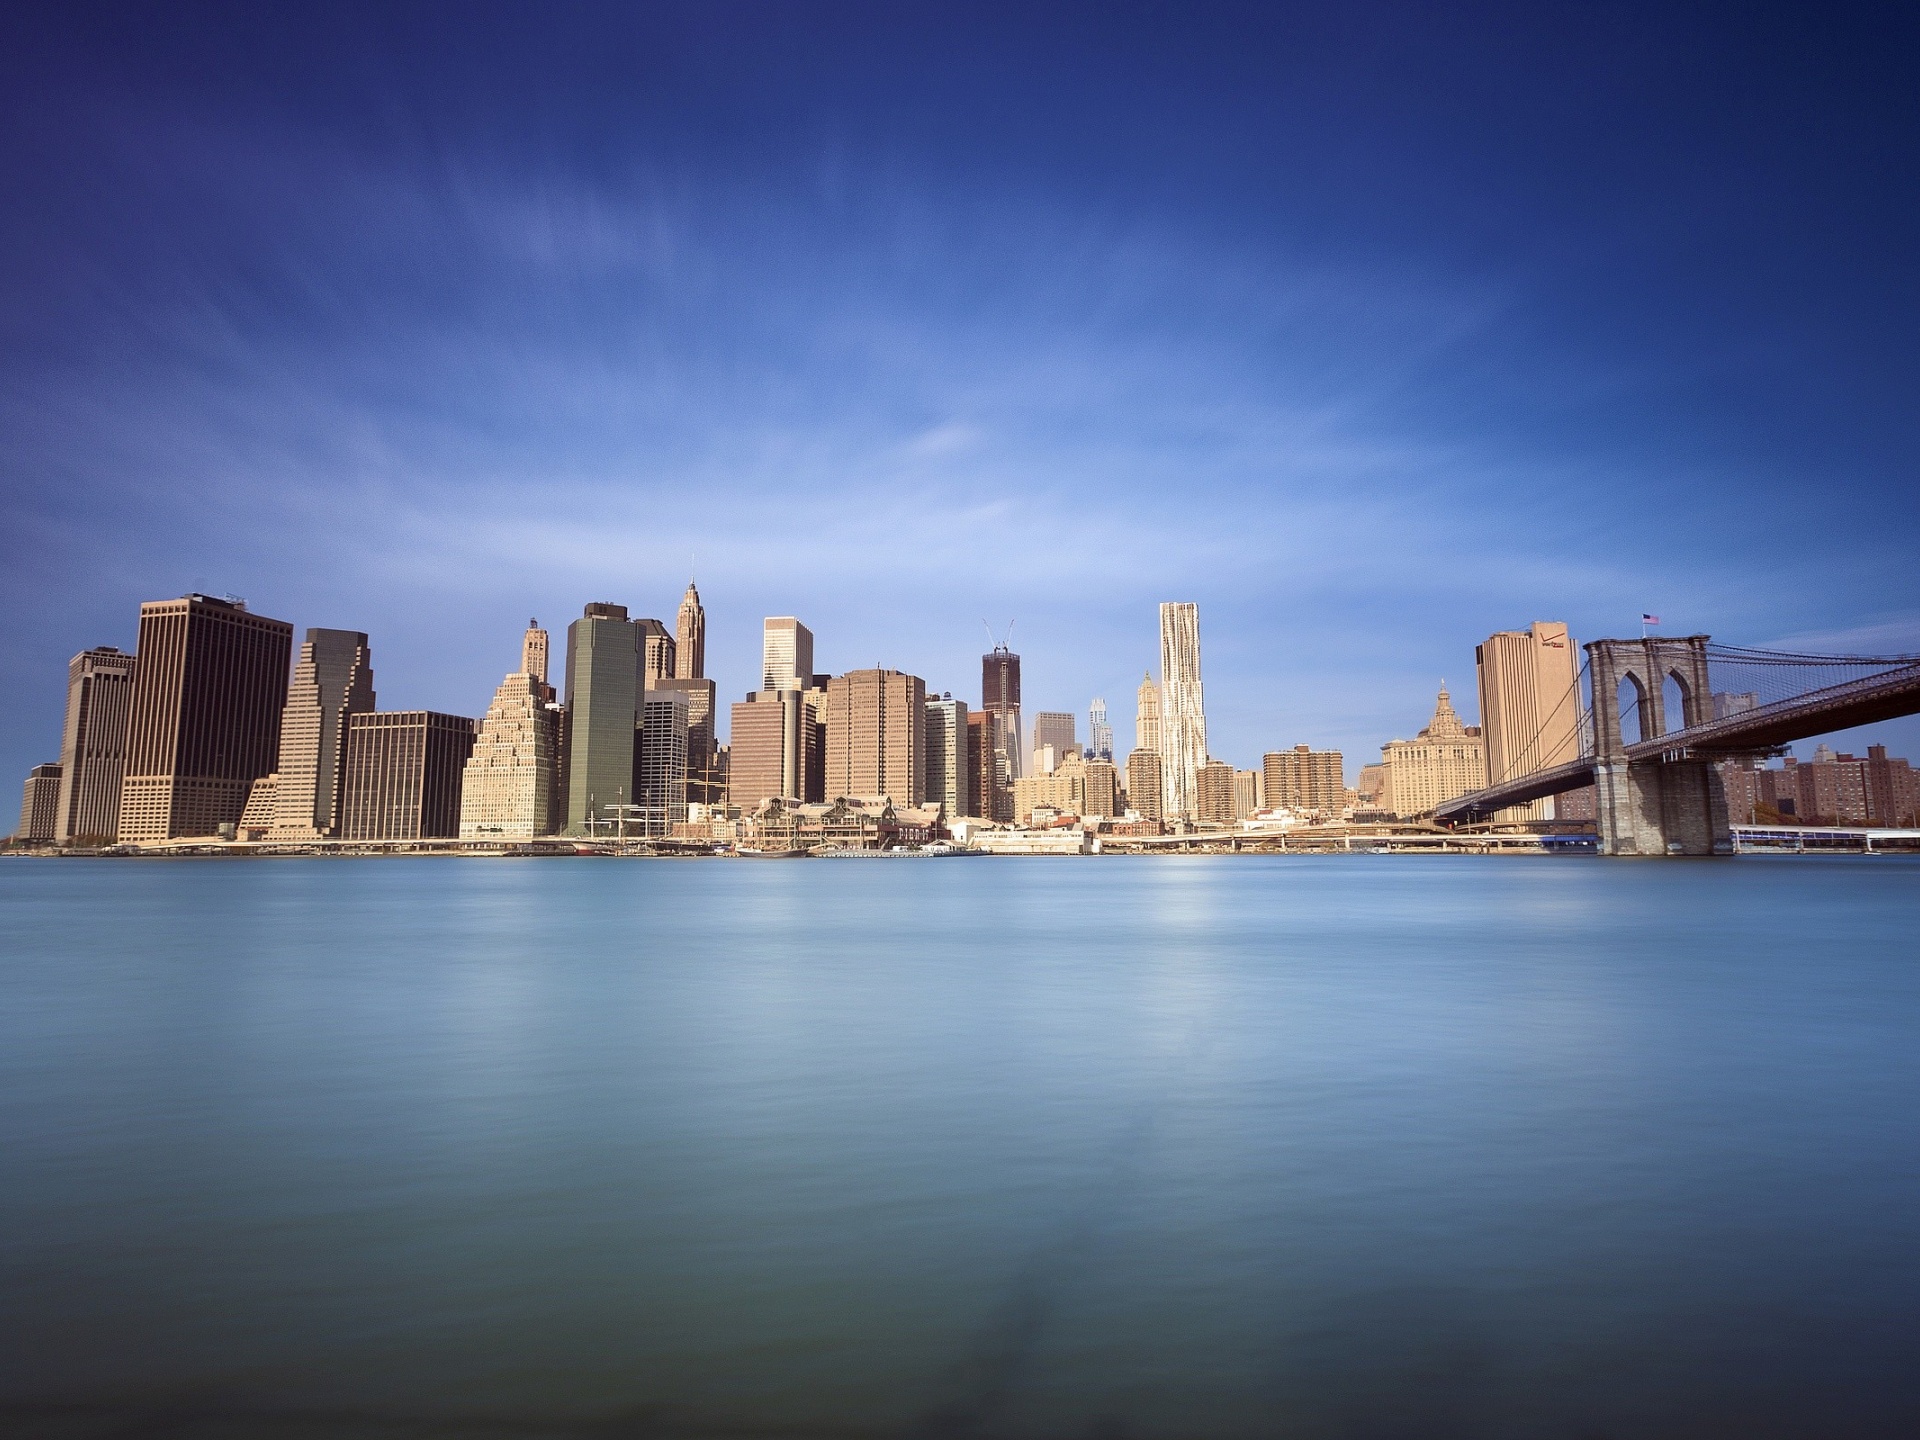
(1183, 717)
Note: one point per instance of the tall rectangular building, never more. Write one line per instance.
(1183, 716)
(660, 786)
(40, 804)
(332, 680)
(773, 750)
(985, 800)
(1146, 715)
(93, 744)
(690, 637)
(876, 736)
(1213, 794)
(1530, 706)
(658, 652)
(404, 772)
(786, 658)
(604, 661)
(1055, 728)
(1000, 698)
(1099, 731)
(1103, 790)
(702, 784)
(1143, 784)
(205, 720)
(948, 780)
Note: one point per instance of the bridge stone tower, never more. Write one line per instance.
(1669, 803)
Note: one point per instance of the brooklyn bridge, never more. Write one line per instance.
(1657, 715)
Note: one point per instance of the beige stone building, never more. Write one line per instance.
(510, 786)
(332, 681)
(1103, 790)
(1445, 759)
(1247, 788)
(1305, 780)
(876, 735)
(1146, 715)
(1530, 706)
(93, 744)
(1062, 789)
(40, 804)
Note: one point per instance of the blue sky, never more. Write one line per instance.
(1370, 329)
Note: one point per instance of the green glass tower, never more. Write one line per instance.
(603, 699)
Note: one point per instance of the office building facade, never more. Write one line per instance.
(40, 804)
(93, 744)
(1146, 715)
(1053, 730)
(786, 654)
(774, 751)
(1000, 698)
(876, 736)
(659, 658)
(510, 788)
(404, 775)
(948, 781)
(205, 716)
(604, 661)
(660, 786)
(690, 637)
(332, 680)
(986, 798)
(1099, 731)
(1530, 706)
(1143, 784)
(1444, 760)
(1183, 718)
(1213, 794)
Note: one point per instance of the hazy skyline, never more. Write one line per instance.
(1370, 333)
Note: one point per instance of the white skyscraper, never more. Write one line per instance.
(1183, 719)
(787, 655)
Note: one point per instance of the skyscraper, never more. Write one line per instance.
(786, 654)
(1103, 789)
(533, 656)
(948, 780)
(661, 784)
(1530, 705)
(603, 709)
(205, 721)
(1213, 794)
(1146, 716)
(658, 657)
(39, 804)
(510, 789)
(1183, 719)
(774, 748)
(1099, 732)
(404, 773)
(876, 736)
(93, 744)
(332, 680)
(1054, 728)
(690, 637)
(983, 798)
(1304, 779)
(1000, 698)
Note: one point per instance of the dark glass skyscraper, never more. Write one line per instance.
(1000, 698)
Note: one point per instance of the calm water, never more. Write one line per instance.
(1353, 1146)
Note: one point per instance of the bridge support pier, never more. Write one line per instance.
(1671, 806)
(1654, 808)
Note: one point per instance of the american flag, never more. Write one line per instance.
(1646, 619)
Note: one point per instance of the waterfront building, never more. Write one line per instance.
(658, 652)
(690, 637)
(93, 744)
(332, 680)
(1247, 787)
(876, 735)
(1371, 793)
(603, 707)
(703, 785)
(1143, 784)
(660, 787)
(1183, 718)
(1102, 784)
(1213, 794)
(775, 749)
(1146, 715)
(1099, 731)
(257, 819)
(1305, 780)
(1530, 706)
(1830, 789)
(987, 798)
(1054, 729)
(510, 788)
(786, 654)
(1000, 698)
(40, 804)
(948, 782)
(404, 771)
(1444, 760)
(205, 717)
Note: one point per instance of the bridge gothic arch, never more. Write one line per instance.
(1663, 804)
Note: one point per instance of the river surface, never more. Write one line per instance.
(1347, 1146)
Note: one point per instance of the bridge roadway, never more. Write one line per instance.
(1885, 696)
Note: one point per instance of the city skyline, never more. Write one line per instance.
(438, 383)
